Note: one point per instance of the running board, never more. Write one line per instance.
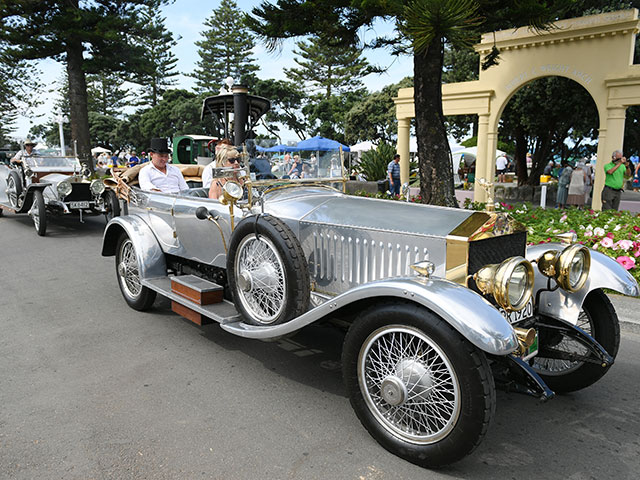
(223, 312)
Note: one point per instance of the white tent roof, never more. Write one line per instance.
(99, 150)
(363, 146)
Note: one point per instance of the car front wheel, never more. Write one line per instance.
(419, 388)
(598, 318)
(14, 189)
(111, 204)
(135, 294)
(38, 213)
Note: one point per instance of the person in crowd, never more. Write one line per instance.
(393, 172)
(159, 175)
(226, 157)
(306, 171)
(548, 170)
(143, 157)
(577, 186)
(296, 168)
(207, 173)
(616, 171)
(563, 184)
(501, 165)
(261, 167)
(133, 160)
(29, 149)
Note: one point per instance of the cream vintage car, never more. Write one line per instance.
(442, 305)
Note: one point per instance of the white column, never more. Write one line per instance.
(481, 157)
(610, 138)
(404, 129)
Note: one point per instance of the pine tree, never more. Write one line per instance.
(157, 47)
(225, 50)
(328, 69)
(106, 95)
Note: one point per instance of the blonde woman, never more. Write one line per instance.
(226, 157)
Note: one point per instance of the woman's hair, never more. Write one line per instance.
(224, 152)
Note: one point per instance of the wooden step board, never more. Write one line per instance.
(196, 290)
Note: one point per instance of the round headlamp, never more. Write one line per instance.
(510, 282)
(570, 267)
(97, 187)
(64, 189)
(231, 192)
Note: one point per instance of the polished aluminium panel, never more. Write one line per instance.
(342, 257)
(605, 273)
(466, 311)
(151, 262)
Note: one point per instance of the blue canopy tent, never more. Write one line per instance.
(321, 144)
(282, 148)
(260, 149)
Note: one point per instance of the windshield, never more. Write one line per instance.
(302, 165)
(51, 161)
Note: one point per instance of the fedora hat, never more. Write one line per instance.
(159, 145)
(28, 141)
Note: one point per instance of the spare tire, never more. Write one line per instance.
(267, 272)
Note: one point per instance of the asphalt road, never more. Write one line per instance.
(91, 389)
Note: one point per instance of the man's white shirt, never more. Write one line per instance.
(501, 163)
(207, 175)
(151, 178)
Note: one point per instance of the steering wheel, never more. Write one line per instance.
(211, 145)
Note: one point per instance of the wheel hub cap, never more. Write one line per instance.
(417, 378)
(244, 281)
(122, 269)
(393, 390)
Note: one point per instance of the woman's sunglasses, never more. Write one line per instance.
(232, 160)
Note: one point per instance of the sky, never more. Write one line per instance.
(185, 18)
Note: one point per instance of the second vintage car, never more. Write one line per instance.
(44, 185)
(441, 305)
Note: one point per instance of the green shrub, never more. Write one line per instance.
(373, 164)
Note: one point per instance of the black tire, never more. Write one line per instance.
(111, 204)
(38, 213)
(135, 294)
(14, 188)
(439, 424)
(276, 289)
(599, 319)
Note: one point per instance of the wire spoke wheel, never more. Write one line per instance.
(12, 190)
(409, 384)
(260, 275)
(555, 366)
(128, 269)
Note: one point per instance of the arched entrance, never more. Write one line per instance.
(596, 51)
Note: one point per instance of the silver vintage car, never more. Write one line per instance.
(442, 305)
(45, 185)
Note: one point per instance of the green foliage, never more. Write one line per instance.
(373, 164)
(374, 117)
(225, 50)
(105, 94)
(286, 106)
(326, 116)
(157, 46)
(326, 69)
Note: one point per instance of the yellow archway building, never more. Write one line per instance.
(596, 51)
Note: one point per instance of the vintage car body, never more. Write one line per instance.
(53, 185)
(419, 287)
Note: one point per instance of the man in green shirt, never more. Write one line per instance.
(616, 171)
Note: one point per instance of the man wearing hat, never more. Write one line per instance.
(28, 151)
(159, 175)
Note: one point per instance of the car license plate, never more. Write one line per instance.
(514, 317)
(78, 204)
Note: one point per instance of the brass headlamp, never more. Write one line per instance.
(510, 282)
(569, 267)
(231, 193)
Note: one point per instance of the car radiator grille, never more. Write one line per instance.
(80, 192)
(495, 250)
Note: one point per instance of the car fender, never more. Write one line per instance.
(151, 260)
(465, 310)
(28, 196)
(604, 273)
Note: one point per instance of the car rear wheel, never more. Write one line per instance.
(599, 319)
(14, 188)
(135, 294)
(267, 271)
(419, 388)
(38, 213)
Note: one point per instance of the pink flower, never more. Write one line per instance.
(588, 233)
(563, 217)
(636, 228)
(627, 262)
(624, 244)
(606, 242)
(636, 253)
(610, 235)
